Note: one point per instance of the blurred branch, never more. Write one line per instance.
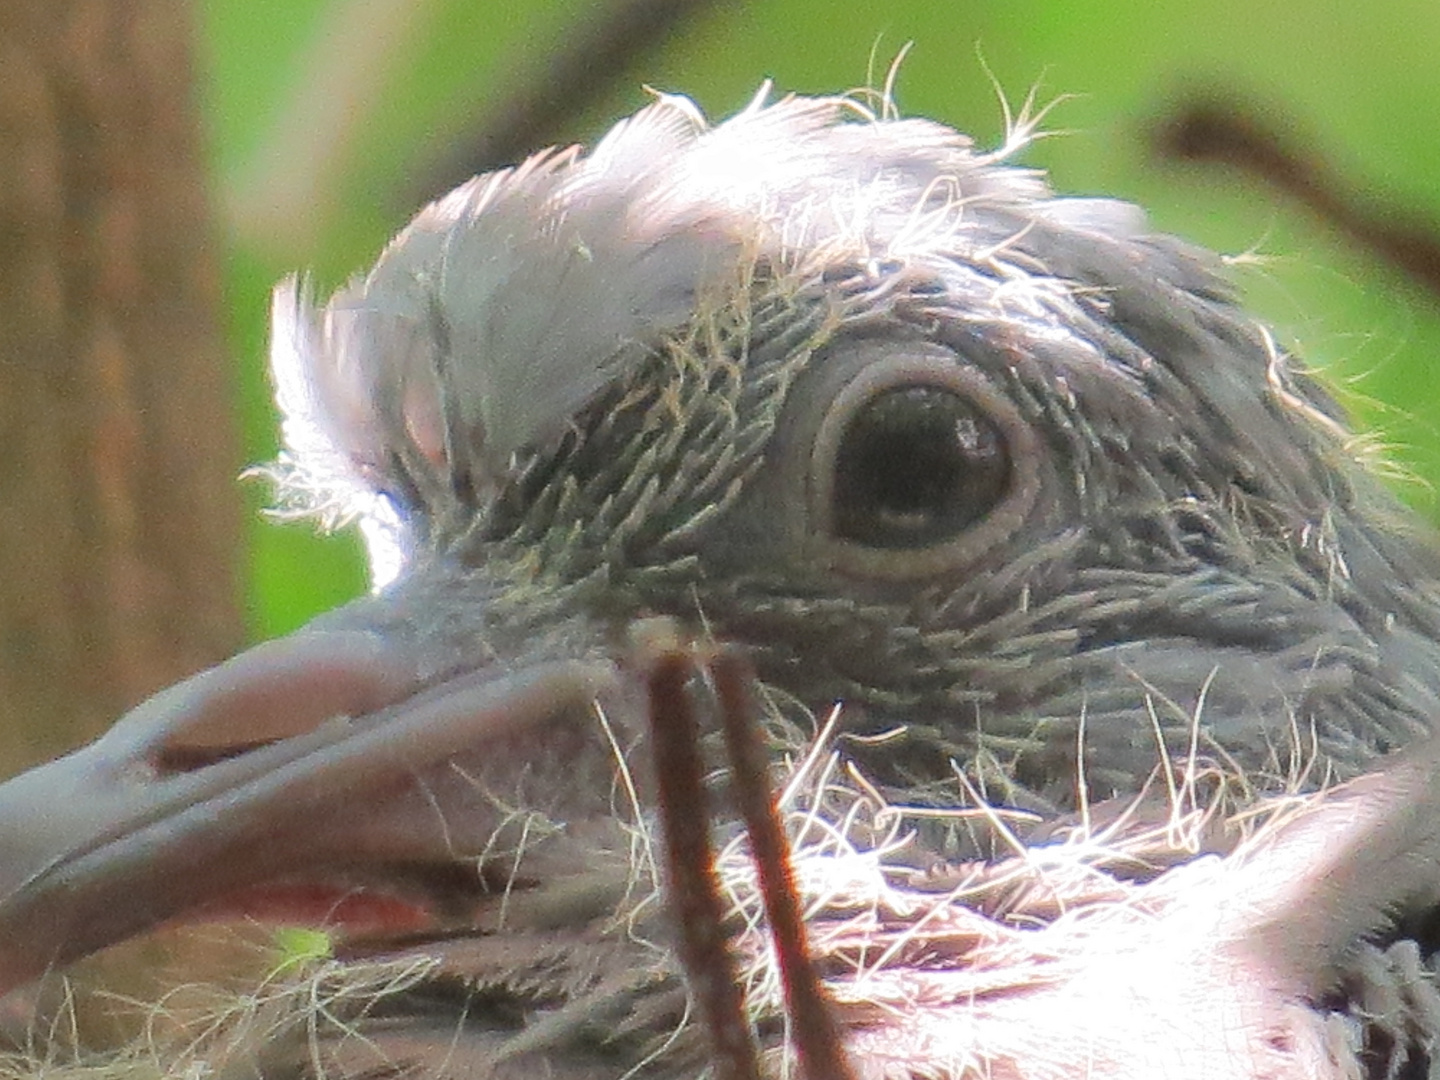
(594, 54)
(1231, 134)
(281, 198)
(282, 202)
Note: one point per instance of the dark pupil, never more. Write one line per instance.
(916, 466)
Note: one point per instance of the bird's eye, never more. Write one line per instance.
(918, 461)
(915, 466)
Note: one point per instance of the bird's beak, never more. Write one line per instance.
(297, 759)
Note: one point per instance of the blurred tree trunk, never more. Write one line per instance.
(119, 520)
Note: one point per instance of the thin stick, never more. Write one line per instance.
(813, 1029)
(537, 101)
(1232, 133)
(698, 909)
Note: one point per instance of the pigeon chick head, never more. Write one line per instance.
(981, 464)
(1007, 477)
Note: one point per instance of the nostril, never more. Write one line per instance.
(179, 758)
(275, 691)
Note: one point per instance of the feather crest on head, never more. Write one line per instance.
(508, 304)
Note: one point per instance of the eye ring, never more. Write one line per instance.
(901, 552)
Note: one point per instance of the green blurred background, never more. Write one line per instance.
(327, 115)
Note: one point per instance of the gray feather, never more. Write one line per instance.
(509, 303)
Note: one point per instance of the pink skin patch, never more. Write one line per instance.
(350, 911)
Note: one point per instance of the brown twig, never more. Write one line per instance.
(1231, 134)
(812, 1023)
(695, 897)
(690, 865)
(595, 52)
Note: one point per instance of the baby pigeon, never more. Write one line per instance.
(1013, 511)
